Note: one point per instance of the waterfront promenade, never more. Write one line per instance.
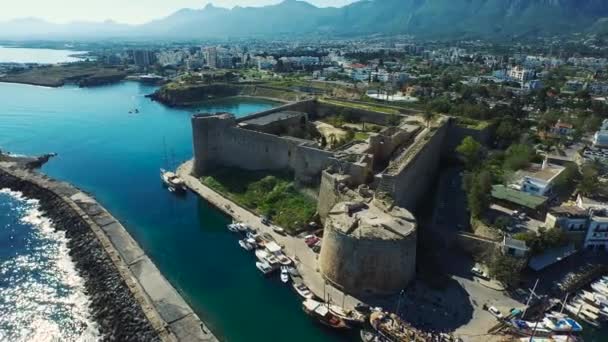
(169, 315)
(294, 247)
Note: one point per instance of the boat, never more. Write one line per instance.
(393, 328)
(283, 259)
(264, 267)
(243, 227)
(293, 271)
(320, 311)
(370, 336)
(351, 317)
(172, 181)
(561, 323)
(261, 254)
(301, 289)
(582, 314)
(600, 287)
(530, 328)
(284, 274)
(247, 245)
(233, 227)
(272, 260)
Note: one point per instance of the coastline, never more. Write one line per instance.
(130, 299)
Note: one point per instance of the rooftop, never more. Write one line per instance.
(569, 211)
(546, 173)
(521, 198)
(369, 221)
(272, 117)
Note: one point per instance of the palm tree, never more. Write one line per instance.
(428, 118)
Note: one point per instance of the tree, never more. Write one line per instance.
(506, 269)
(589, 179)
(471, 151)
(506, 133)
(428, 118)
(479, 189)
(518, 156)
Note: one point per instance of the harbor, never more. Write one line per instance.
(295, 259)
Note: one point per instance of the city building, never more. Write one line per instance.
(143, 58)
(210, 54)
(537, 179)
(520, 74)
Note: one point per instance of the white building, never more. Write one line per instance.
(597, 233)
(520, 74)
(537, 179)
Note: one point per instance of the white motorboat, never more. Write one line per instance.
(302, 290)
(284, 274)
(246, 244)
(283, 259)
(264, 267)
(595, 298)
(172, 181)
(243, 227)
(233, 227)
(261, 255)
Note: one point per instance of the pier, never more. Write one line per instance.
(169, 315)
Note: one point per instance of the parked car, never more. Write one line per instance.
(494, 311)
(265, 220)
(478, 272)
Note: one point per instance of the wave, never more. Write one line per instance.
(42, 296)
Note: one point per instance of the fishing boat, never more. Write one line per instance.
(284, 274)
(301, 289)
(351, 317)
(320, 311)
(393, 328)
(172, 181)
(264, 267)
(243, 227)
(247, 244)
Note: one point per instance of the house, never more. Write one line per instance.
(514, 199)
(514, 247)
(537, 179)
(597, 232)
(562, 129)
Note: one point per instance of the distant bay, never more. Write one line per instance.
(39, 56)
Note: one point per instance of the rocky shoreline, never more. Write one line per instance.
(130, 299)
(118, 315)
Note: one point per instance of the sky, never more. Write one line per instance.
(124, 11)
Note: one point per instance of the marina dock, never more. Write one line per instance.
(295, 248)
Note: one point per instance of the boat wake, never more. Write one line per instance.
(42, 296)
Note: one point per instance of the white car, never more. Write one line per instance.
(476, 271)
(494, 311)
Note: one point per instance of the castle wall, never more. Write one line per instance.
(322, 110)
(413, 182)
(457, 133)
(217, 142)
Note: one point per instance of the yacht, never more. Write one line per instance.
(247, 244)
(233, 227)
(172, 181)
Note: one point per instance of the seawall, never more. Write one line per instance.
(130, 299)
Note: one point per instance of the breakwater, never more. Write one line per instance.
(130, 299)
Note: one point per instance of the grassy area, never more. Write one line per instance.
(266, 193)
(472, 123)
(370, 107)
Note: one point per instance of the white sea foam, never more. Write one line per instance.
(46, 300)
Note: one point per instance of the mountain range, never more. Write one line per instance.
(423, 18)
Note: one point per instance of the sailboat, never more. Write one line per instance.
(171, 180)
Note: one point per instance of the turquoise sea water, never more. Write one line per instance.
(41, 56)
(116, 156)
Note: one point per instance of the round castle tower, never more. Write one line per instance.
(367, 249)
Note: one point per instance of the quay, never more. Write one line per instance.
(304, 258)
(168, 314)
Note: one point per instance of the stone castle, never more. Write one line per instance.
(367, 187)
